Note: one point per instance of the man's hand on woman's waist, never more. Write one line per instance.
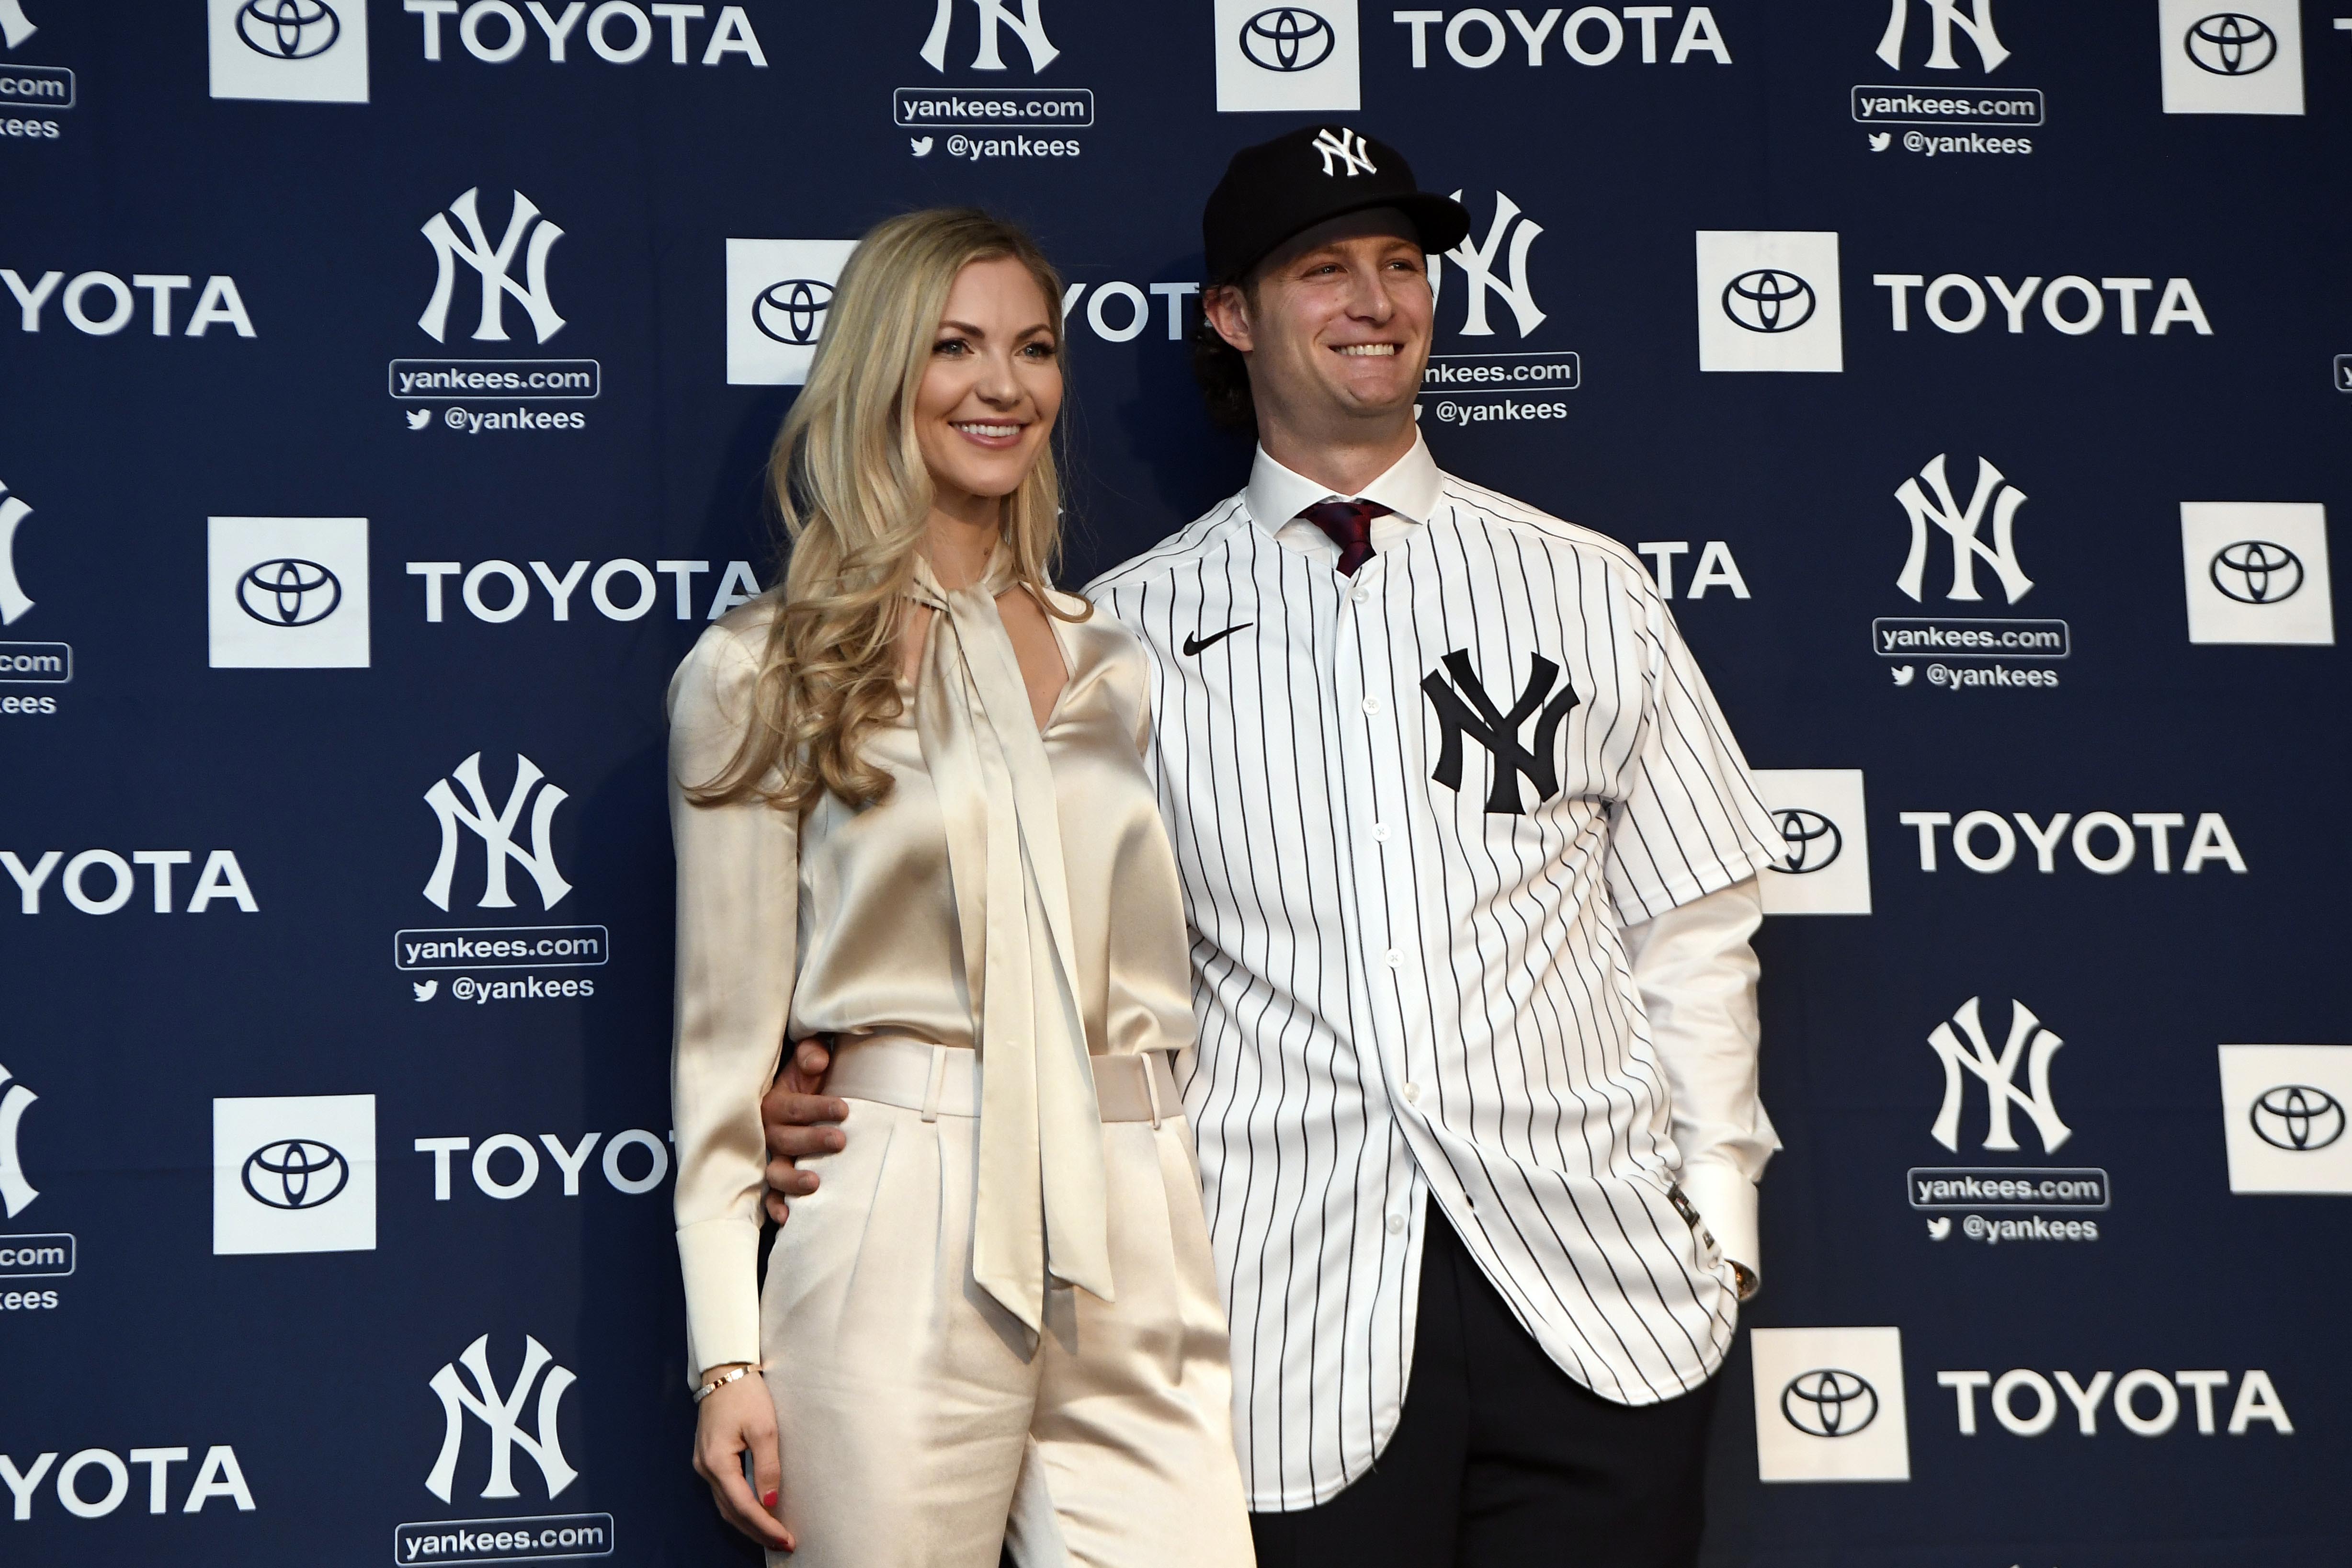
(799, 1118)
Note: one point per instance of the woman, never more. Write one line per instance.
(911, 814)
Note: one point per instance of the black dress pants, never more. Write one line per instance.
(1501, 1460)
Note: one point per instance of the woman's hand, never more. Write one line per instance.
(730, 1420)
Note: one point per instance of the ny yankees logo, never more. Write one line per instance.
(496, 831)
(1349, 148)
(2029, 1045)
(1472, 712)
(502, 1412)
(477, 252)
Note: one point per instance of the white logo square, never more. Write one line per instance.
(2284, 1111)
(1301, 58)
(1829, 1404)
(294, 1173)
(1767, 299)
(288, 592)
(302, 51)
(2231, 56)
(1820, 811)
(2257, 571)
(777, 294)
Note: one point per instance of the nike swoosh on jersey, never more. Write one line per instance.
(1196, 643)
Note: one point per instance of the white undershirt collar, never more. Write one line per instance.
(1409, 489)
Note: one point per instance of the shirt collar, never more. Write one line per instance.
(1409, 488)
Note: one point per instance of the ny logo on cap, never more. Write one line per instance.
(1351, 149)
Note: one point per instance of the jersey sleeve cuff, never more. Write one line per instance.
(1725, 1200)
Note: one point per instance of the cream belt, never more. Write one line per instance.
(944, 1080)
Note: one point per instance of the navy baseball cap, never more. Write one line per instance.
(1281, 188)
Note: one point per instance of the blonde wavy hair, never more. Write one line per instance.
(853, 495)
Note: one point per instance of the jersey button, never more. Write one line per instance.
(1361, 595)
(1372, 705)
(1395, 958)
(1396, 1224)
(1412, 1094)
(1380, 831)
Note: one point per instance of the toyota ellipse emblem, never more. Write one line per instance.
(1287, 38)
(2231, 43)
(1829, 1402)
(1769, 299)
(2256, 572)
(288, 29)
(296, 1173)
(1814, 840)
(792, 311)
(2297, 1118)
(288, 592)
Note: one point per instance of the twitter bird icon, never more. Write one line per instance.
(921, 144)
(1880, 138)
(1903, 673)
(418, 418)
(1939, 1227)
(425, 989)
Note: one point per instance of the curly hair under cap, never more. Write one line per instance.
(1223, 374)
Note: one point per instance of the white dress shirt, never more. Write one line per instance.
(1530, 996)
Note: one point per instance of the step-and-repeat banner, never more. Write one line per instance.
(386, 385)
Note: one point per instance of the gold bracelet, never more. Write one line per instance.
(716, 1384)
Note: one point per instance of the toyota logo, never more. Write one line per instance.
(2297, 1118)
(1287, 38)
(2231, 43)
(296, 1173)
(2257, 571)
(1814, 840)
(1829, 1402)
(288, 592)
(1769, 300)
(288, 29)
(791, 311)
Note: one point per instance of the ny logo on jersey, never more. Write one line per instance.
(475, 251)
(501, 1413)
(1353, 154)
(1478, 267)
(2028, 1045)
(1468, 710)
(496, 831)
(1961, 524)
(1020, 15)
(1945, 16)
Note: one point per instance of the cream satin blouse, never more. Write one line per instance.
(1016, 892)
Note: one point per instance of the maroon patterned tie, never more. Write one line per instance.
(1349, 524)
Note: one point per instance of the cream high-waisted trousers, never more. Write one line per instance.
(919, 1427)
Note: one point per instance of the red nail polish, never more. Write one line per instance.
(769, 1500)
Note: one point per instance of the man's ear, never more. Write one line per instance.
(1227, 310)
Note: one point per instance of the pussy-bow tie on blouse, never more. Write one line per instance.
(1040, 1201)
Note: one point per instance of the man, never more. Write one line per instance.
(1470, 859)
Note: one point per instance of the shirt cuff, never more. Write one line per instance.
(721, 1262)
(1726, 1201)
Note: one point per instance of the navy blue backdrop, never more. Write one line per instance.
(1976, 372)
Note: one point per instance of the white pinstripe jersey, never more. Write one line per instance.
(1413, 812)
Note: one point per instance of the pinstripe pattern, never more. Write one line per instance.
(1401, 994)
